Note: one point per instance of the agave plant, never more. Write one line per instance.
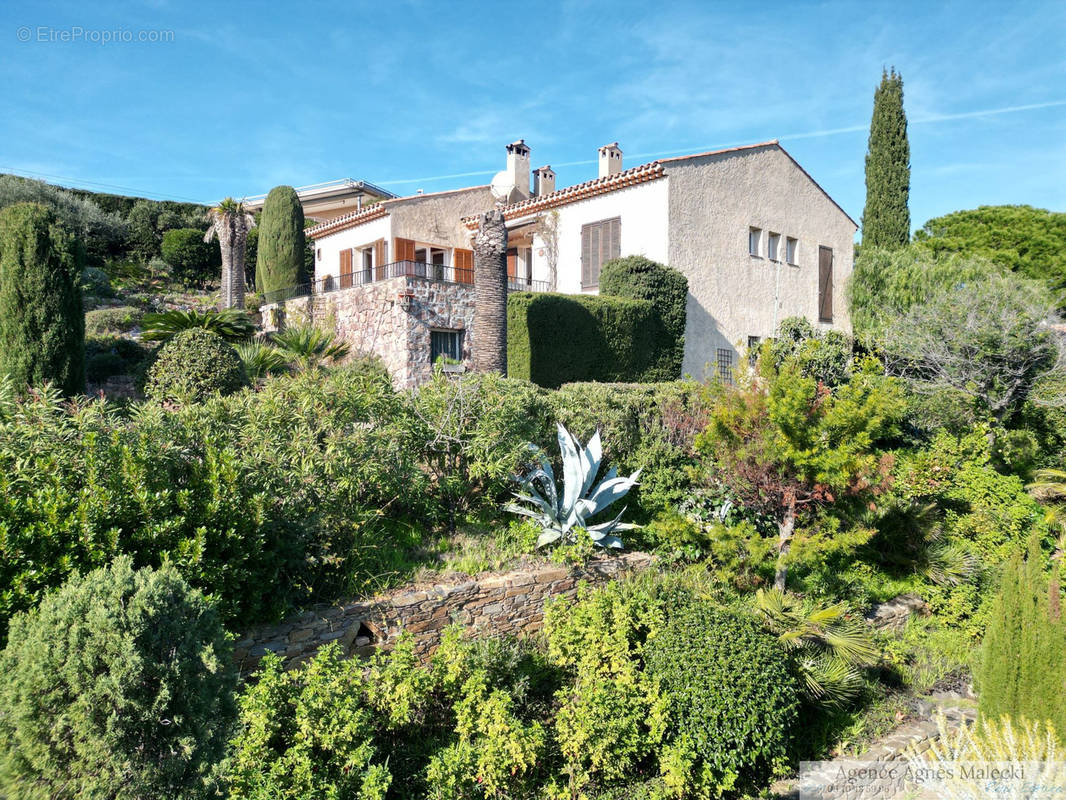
(827, 647)
(310, 348)
(261, 359)
(232, 324)
(562, 514)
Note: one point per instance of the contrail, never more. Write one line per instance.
(988, 112)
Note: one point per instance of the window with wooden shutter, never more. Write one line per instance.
(464, 265)
(346, 269)
(600, 242)
(825, 284)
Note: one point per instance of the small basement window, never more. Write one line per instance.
(754, 234)
(725, 364)
(445, 344)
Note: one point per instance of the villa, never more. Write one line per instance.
(758, 239)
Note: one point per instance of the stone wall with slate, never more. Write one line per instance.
(373, 319)
(500, 603)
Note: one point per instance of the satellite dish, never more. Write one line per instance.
(503, 187)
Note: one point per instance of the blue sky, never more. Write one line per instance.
(415, 95)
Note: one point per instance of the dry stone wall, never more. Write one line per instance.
(501, 603)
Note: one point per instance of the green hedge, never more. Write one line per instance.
(554, 339)
(640, 278)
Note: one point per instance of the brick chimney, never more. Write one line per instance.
(610, 160)
(518, 165)
(543, 181)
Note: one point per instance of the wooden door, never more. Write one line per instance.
(346, 269)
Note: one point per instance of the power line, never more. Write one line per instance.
(139, 192)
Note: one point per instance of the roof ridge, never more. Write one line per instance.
(341, 221)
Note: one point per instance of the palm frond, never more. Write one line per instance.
(232, 324)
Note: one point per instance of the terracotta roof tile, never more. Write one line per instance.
(349, 220)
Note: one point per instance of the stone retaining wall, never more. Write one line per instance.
(511, 602)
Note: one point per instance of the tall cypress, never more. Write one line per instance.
(1023, 658)
(280, 260)
(42, 322)
(886, 220)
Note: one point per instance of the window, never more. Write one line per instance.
(448, 344)
(318, 254)
(790, 250)
(600, 242)
(368, 257)
(773, 243)
(725, 364)
(825, 284)
(753, 349)
(754, 234)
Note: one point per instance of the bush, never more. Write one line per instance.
(647, 427)
(96, 283)
(554, 339)
(264, 499)
(232, 324)
(193, 366)
(731, 700)
(106, 356)
(192, 260)
(42, 323)
(640, 278)
(280, 243)
(119, 685)
(822, 355)
(105, 321)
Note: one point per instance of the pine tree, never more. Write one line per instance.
(886, 220)
(280, 262)
(1023, 658)
(42, 323)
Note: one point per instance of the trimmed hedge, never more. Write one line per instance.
(554, 339)
(640, 278)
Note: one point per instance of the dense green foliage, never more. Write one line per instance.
(731, 700)
(1023, 659)
(822, 355)
(230, 324)
(114, 319)
(281, 242)
(886, 219)
(42, 325)
(194, 365)
(554, 339)
(640, 278)
(1027, 240)
(106, 356)
(194, 262)
(118, 685)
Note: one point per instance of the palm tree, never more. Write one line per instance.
(490, 294)
(309, 348)
(232, 324)
(1050, 487)
(230, 222)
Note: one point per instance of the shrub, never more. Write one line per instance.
(280, 245)
(309, 348)
(105, 321)
(232, 324)
(119, 685)
(192, 366)
(645, 427)
(554, 339)
(1023, 657)
(307, 734)
(106, 356)
(96, 283)
(42, 324)
(731, 700)
(822, 355)
(640, 278)
(193, 261)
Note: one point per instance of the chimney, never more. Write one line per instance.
(543, 181)
(610, 160)
(518, 165)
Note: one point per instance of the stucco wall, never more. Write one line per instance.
(502, 603)
(644, 230)
(359, 236)
(437, 218)
(713, 201)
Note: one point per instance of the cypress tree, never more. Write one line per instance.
(1023, 658)
(42, 322)
(886, 220)
(280, 261)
